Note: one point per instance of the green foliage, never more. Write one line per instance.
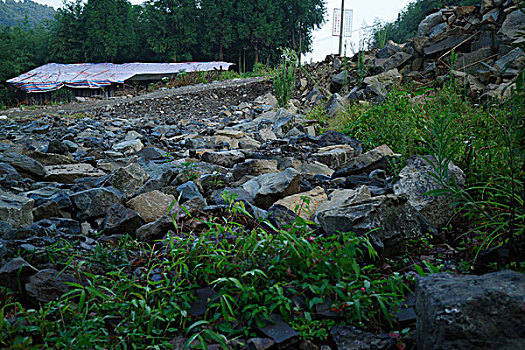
(486, 141)
(284, 77)
(493, 204)
(24, 13)
(144, 298)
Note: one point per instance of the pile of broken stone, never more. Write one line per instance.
(131, 168)
(485, 39)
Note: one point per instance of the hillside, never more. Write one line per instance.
(14, 13)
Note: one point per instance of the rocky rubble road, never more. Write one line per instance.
(77, 107)
(118, 169)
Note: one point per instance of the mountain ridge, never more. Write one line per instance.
(17, 12)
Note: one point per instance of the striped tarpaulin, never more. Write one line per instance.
(53, 76)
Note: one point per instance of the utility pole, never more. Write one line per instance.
(342, 25)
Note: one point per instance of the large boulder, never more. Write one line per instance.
(415, 180)
(17, 211)
(334, 156)
(268, 188)
(471, 312)
(388, 219)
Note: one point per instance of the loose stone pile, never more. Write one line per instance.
(484, 38)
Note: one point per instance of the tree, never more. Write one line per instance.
(172, 28)
(218, 18)
(68, 33)
(110, 34)
(302, 17)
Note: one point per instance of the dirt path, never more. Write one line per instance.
(95, 104)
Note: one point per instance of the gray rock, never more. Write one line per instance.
(390, 49)
(54, 227)
(155, 230)
(14, 272)
(51, 158)
(203, 297)
(47, 210)
(339, 81)
(225, 195)
(332, 138)
(512, 59)
(151, 153)
(68, 173)
(438, 30)
(379, 84)
(267, 99)
(493, 15)
(24, 164)
(315, 96)
(95, 202)
(226, 159)
(188, 191)
(57, 147)
(312, 168)
(17, 211)
(445, 44)
(128, 147)
(334, 156)
(471, 312)
(429, 22)
(151, 205)
(283, 121)
(268, 188)
(121, 220)
(281, 333)
(335, 104)
(48, 285)
(392, 218)
(415, 180)
(128, 179)
(470, 58)
(254, 167)
(351, 338)
(8, 173)
(259, 344)
(158, 182)
(396, 61)
(511, 27)
(366, 162)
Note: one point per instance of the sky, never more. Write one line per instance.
(365, 12)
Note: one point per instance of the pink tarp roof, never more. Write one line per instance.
(53, 76)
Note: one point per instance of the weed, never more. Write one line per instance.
(144, 298)
(284, 77)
